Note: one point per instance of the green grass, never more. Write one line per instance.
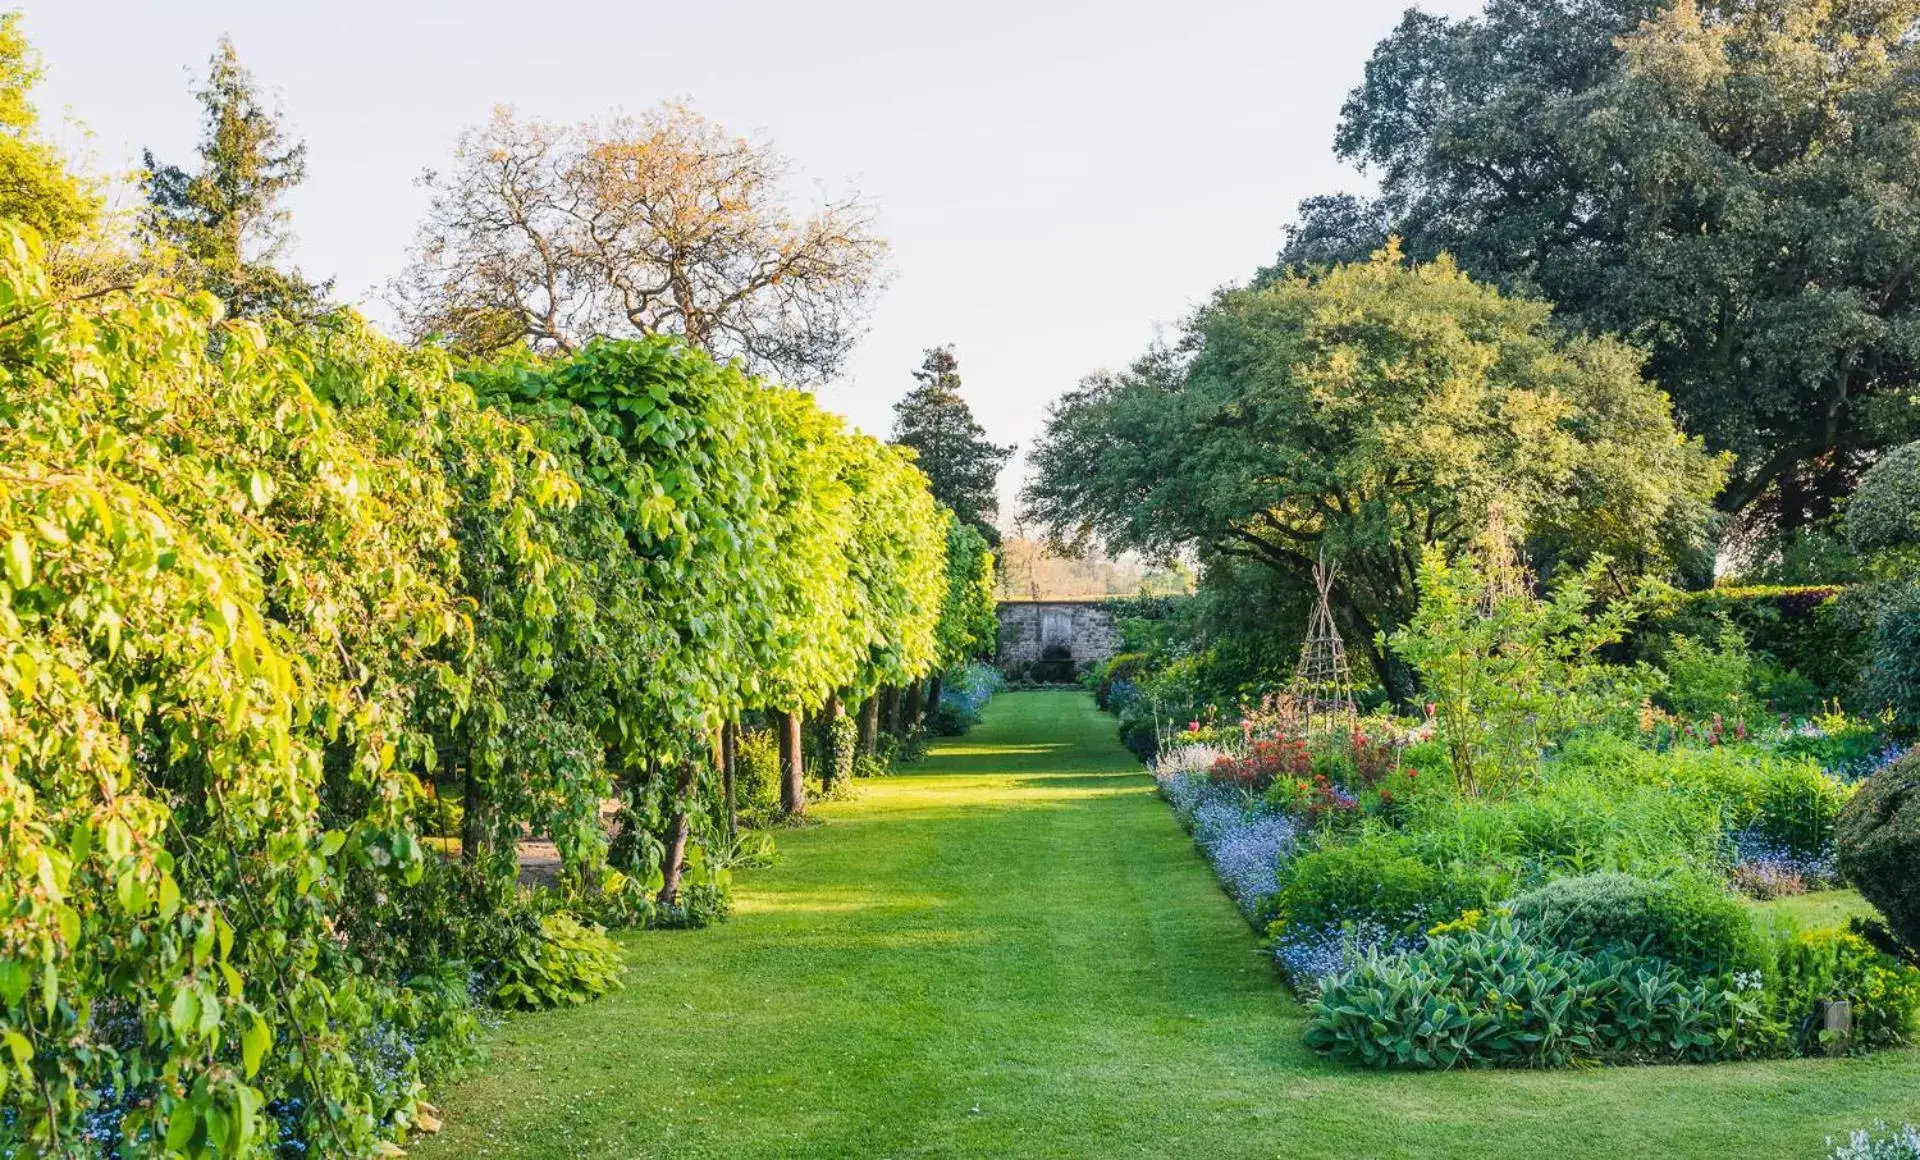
(1014, 951)
(1813, 911)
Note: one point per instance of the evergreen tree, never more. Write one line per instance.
(226, 221)
(962, 465)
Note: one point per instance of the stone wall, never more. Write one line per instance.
(1029, 627)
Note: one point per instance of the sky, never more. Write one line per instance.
(1060, 182)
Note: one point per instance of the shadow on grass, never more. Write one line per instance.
(1110, 781)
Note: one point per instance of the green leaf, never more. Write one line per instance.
(254, 1042)
(19, 561)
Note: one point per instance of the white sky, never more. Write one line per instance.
(1058, 180)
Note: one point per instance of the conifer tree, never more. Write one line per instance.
(961, 463)
(226, 222)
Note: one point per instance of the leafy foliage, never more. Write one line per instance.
(1731, 183)
(1494, 998)
(1879, 846)
(560, 964)
(1508, 673)
(38, 190)
(261, 581)
(1689, 923)
(1363, 415)
(1812, 967)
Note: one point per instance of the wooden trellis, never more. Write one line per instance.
(1322, 687)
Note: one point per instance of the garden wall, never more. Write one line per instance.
(1030, 628)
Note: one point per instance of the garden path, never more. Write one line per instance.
(1014, 951)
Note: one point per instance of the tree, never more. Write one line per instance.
(1506, 671)
(962, 465)
(1732, 183)
(1362, 415)
(663, 224)
(226, 221)
(35, 187)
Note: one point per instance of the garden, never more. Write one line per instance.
(548, 729)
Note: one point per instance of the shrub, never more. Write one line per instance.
(1786, 800)
(1878, 846)
(1891, 676)
(1494, 997)
(1691, 924)
(1885, 511)
(1374, 880)
(1510, 673)
(1882, 1143)
(1801, 630)
(1704, 679)
(1811, 967)
(964, 693)
(560, 964)
(1845, 747)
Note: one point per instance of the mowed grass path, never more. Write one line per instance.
(1014, 951)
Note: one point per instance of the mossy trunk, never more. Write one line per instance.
(830, 769)
(729, 757)
(870, 725)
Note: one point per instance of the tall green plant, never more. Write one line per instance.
(1507, 672)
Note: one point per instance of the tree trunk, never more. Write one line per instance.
(793, 765)
(870, 725)
(473, 820)
(890, 708)
(729, 755)
(933, 696)
(676, 835)
(830, 713)
(912, 711)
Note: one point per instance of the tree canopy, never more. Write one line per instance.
(1362, 415)
(1734, 184)
(265, 581)
(35, 186)
(662, 224)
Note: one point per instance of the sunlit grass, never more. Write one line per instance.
(1014, 951)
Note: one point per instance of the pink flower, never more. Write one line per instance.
(1193, 726)
(1432, 708)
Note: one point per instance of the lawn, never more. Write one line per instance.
(1014, 951)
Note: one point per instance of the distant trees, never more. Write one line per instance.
(224, 222)
(661, 224)
(1362, 415)
(961, 463)
(1732, 183)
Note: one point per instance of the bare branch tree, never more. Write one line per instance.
(662, 224)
